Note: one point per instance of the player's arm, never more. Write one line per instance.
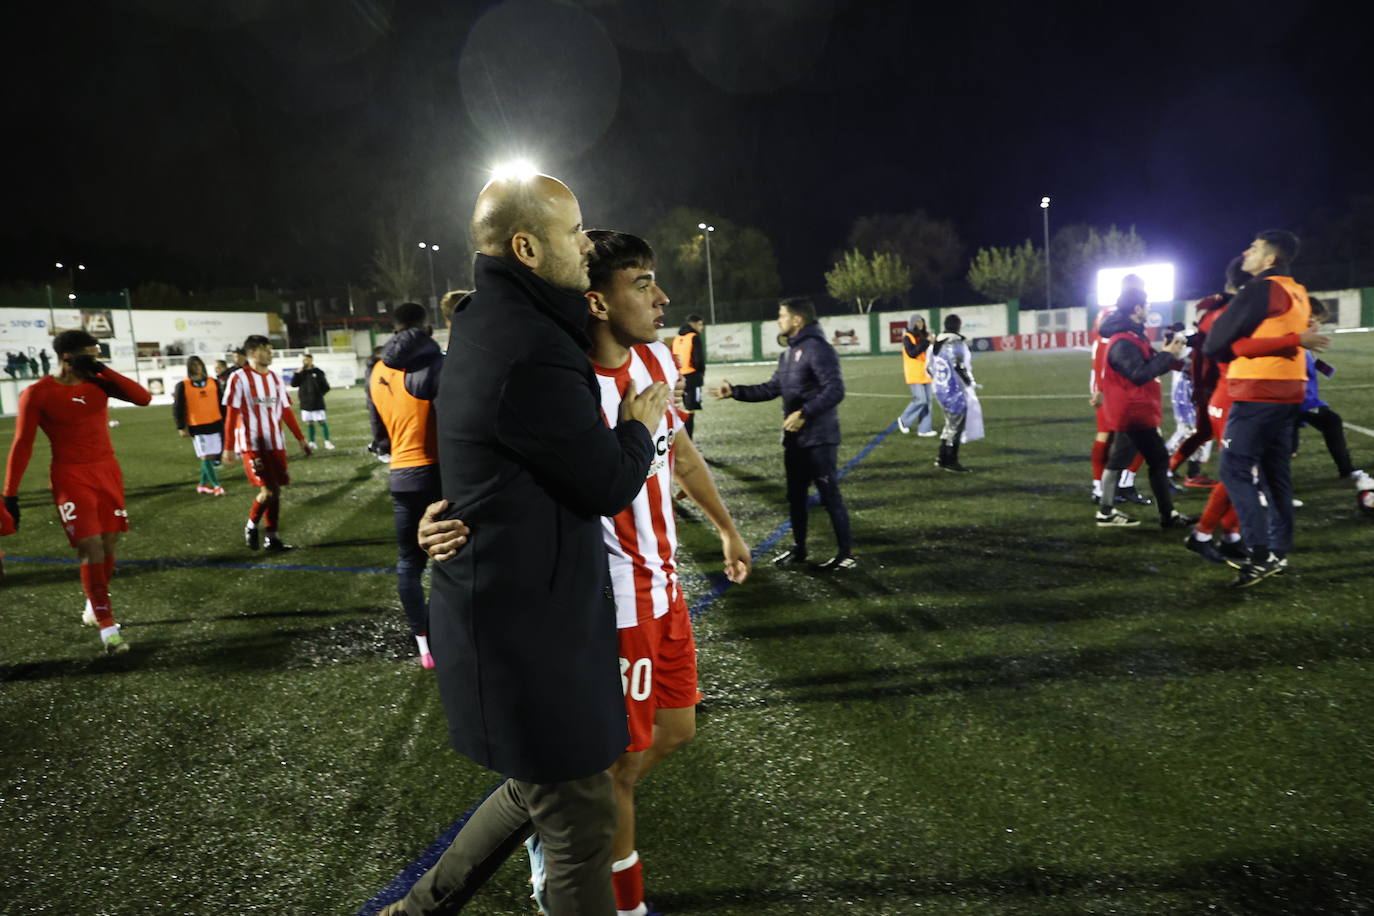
(1244, 313)
(766, 391)
(21, 450)
(119, 386)
(179, 407)
(232, 419)
(288, 418)
(694, 476)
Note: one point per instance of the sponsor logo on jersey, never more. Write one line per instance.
(79, 400)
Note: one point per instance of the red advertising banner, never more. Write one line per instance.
(1049, 340)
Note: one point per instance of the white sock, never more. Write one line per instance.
(641, 910)
(423, 643)
(107, 632)
(1127, 479)
(1232, 537)
(1200, 536)
(627, 862)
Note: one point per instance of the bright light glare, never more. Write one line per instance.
(1159, 282)
(706, 227)
(59, 265)
(515, 169)
(1045, 202)
(71, 295)
(423, 245)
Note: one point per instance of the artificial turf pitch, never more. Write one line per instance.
(1004, 710)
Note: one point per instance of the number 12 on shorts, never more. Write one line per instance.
(636, 680)
(68, 511)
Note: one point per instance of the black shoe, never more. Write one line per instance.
(792, 556)
(275, 544)
(1132, 495)
(1205, 549)
(250, 536)
(839, 562)
(1233, 553)
(953, 467)
(1178, 520)
(1253, 573)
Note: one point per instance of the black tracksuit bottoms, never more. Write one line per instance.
(815, 464)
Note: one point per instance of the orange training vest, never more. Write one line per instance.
(1253, 377)
(202, 404)
(408, 419)
(915, 368)
(682, 349)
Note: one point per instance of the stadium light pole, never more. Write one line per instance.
(71, 276)
(1045, 206)
(433, 293)
(710, 283)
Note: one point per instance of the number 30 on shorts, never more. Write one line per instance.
(636, 680)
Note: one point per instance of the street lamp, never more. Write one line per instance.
(433, 295)
(71, 277)
(710, 285)
(1045, 206)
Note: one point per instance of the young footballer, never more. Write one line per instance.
(72, 409)
(658, 672)
(256, 405)
(199, 417)
(314, 385)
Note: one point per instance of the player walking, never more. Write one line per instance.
(87, 483)
(256, 404)
(198, 414)
(314, 385)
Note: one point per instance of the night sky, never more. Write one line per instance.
(227, 142)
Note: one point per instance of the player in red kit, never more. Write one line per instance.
(256, 404)
(87, 484)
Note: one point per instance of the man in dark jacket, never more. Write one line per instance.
(1131, 409)
(809, 382)
(314, 384)
(522, 624)
(400, 392)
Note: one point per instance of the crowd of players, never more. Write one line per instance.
(1246, 377)
(559, 635)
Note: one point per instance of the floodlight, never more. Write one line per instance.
(423, 245)
(515, 169)
(1158, 280)
(699, 226)
(1045, 203)
(71, 295)
(58, 265)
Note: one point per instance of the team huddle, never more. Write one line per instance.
(538, 461)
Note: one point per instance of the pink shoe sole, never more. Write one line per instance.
(427, 661)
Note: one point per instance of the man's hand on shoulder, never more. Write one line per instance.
(441, 538)
(646, 406)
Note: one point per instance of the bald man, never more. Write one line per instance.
(522, 623)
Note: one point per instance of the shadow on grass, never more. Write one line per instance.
(1285, 882)
(1288, 648)
(379, 636)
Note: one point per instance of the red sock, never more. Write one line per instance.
(1218, 504)
(1230, 522)
(97, 589)
(628, 883)
(1135, 465)
(255, 512)
(271, 510)
(1099, 459)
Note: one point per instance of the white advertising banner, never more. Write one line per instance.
(848, 334)
(978, 320)
(730, 343)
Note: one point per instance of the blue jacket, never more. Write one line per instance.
(808, 377)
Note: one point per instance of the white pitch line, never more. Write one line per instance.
(1360, 429)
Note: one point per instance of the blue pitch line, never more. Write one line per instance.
(201, 564)
(412, 872)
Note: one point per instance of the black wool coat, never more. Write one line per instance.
(522, 624)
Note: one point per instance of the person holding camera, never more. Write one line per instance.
(87, 483)
(1131, 408)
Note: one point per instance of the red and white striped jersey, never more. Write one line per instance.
(260, 398)
(642, 540)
